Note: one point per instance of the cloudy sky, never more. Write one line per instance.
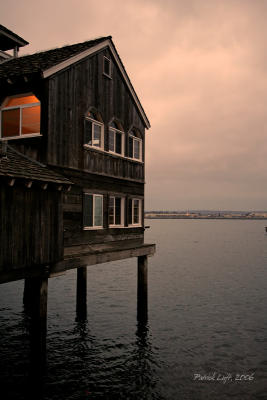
(200, 70)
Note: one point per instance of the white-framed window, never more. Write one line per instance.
(134, 212)
(134, 146)
(20, 116)
(116, 208)
(107, 66)
(116, 139)
(94, 131)
(92, 211)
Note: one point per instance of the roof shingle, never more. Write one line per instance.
(38, 62)
(14, 164)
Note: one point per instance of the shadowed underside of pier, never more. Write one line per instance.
(78, 256)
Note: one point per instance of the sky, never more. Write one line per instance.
(199, 68)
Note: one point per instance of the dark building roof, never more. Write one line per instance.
(14, 164)
(9, 40)
(39, 62)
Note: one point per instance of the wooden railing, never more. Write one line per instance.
(112, 165)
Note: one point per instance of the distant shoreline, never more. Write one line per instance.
(206, 217)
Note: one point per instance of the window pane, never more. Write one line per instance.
(117, 210)
(111, 211)
(130, 147)
(136, 211)
(30, 120)
(107, 66)
(88, 210)
(10, 122)
(137, 149)
(98, 211)
(130, 212)
(88, 132)
(118, 143)
(111, 140)
(97, 135)
(16, 101)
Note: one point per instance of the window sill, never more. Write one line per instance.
(21, 137)
(107, 76)
(92, 228)
(113, 153)
(110, 153)
(135, 159)
(135, 226)
(98, 149)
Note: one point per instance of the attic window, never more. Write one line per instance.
(20, 116)
(107, 66)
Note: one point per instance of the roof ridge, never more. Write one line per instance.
(62, 47)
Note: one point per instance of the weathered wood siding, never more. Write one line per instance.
(71, 94)
(74, 234)
(31, 227)
(112, 165)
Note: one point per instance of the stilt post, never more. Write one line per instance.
(142, 289)
(81, 293)
(37, 289)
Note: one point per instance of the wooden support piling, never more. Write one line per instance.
(81, 293)
(28, 295)
(35, 296)
(142, 286)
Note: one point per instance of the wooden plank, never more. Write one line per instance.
(73, 262)
(31, 227)
(102, 257)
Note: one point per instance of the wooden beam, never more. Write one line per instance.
(142, 286)
(79, 260)
(81, 293)
(76, 261)
(37, 289)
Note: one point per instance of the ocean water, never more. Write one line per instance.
(205, 337)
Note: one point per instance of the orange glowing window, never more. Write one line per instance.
(20, 115)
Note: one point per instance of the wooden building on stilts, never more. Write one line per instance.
(72, 168)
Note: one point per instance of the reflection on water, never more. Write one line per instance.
(206, 314)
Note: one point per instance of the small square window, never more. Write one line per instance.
(107, 67)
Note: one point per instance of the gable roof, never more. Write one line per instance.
(41, 61)
(9, 39)
(48, 63)
(14, 164)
